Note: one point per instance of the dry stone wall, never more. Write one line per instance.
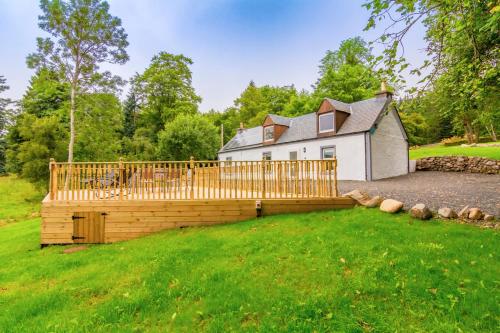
(459, 164)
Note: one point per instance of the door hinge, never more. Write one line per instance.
(77, 237)
(77, 217)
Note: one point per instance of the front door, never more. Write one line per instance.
(88, 227)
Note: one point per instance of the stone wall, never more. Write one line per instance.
(459, 164)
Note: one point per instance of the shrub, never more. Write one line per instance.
(457, 140)
(186, 136)
(453, 141)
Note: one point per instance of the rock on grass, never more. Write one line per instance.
(420, 211)
(374, 202)
(464, 213)
(391, 206)
(447, 213)
(489, 217)
(475, 214)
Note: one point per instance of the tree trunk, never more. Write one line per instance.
(477, 134)
(71, 134)
(469, 132)
(492, 132)
(72, 123)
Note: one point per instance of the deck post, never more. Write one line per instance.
(219, 179)
(263, 178)
(53, 179)
(335, 177)
(191, 166)
(120, 179)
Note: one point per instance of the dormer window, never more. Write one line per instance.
(269, 133)
(326, 123)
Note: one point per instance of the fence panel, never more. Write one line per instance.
(188, 180)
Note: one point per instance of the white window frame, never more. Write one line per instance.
(333, 122)
(265, 128)
(325, 148)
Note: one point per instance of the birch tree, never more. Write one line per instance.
(83, 35)
(5, 116)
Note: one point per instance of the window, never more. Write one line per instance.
(327, 153)
(229, 158)
(293, 156)
(266, 156)
(269, 133)
(326, 123)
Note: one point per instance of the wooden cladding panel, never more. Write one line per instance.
(340, 117)
(129, 219)
(268, 121)
(325, 107)
(284, 208)
(278, 131)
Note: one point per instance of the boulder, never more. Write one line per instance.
(475, 214)
(489, 217)
(373, 202)
(420, 211)
(464, 213)
(447, 213)
(391, 206)
(359, 196)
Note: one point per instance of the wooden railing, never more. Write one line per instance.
(193, 180)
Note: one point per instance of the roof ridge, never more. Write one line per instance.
(336, 100)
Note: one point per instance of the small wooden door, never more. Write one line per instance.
(88, 227)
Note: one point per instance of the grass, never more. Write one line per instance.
(345, 271)
(18, 199)
(440, 150)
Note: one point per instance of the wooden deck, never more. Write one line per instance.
(105, 203)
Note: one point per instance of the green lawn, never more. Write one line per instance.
(342, 271)
(489, 152)
(18, 200)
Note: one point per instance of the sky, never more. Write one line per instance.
(231, 42)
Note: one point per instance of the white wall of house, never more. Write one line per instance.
(350, 152)
(389, 149)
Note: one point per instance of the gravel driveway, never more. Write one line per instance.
(436, 189)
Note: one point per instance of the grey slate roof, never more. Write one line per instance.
(247, 138)
(362, 116)
(280, 120)
(338, 105)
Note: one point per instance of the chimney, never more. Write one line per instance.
(241, 129)
(384, 92)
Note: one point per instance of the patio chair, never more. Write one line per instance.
(108, 183)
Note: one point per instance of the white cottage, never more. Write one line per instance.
(367, 138)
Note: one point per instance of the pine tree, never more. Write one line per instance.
(130, 112)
